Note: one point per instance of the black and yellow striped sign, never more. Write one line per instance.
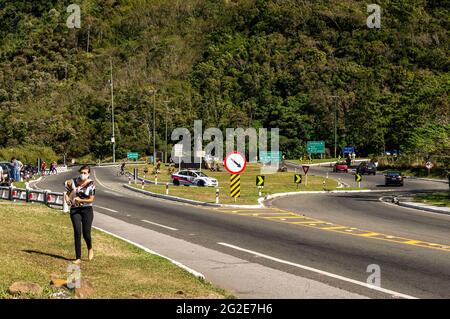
(260, 180)
(357, 177)
(297, 178)
(235, 185)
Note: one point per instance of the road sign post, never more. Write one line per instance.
(217, 196)
(133, 155)
(297, 179)
(358, 179)
(135, 175)
(260, 183)
(179, 153)
(235, 163)
(235, 186)
(315, 147)
(429, 166)
(305, 170)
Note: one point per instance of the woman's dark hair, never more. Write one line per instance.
(85, 167)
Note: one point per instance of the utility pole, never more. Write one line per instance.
(113, 139)
(166, 102)
(153, 91)
(335, 124)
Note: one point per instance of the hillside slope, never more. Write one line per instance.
(230, 63)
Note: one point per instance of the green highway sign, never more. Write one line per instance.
(269, 156)
(297, 178)
(315, 147)
(260, 180)
(131, 155)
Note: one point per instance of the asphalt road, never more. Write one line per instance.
(340, 234)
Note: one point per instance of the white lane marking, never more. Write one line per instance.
(156, 224)
(111, 210)
(360, 283)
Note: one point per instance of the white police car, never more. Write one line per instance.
(191, 177)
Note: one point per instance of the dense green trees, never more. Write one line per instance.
(260, 63)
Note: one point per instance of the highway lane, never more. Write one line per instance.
(409, 269)
(375, 183)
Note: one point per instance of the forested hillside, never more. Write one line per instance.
(260, 63)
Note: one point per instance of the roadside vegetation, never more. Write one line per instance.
(248, 63)
(36, 244)
(436, 199)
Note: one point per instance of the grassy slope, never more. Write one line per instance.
(36, 242)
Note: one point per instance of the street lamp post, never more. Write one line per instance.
(113, 139)
(153, 91)
(166, 102)
(335, 124)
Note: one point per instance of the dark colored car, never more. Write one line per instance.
(366, 168)
(393, 178)
(340, 167)
(7, 174)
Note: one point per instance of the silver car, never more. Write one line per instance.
(193, 178)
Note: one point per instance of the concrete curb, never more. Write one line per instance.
(323, 164)
(428, 179)
(188, 201)
(147, 181)
(424, 208)
(261, 200)
(197, 274)
(269, 197)
(415, 206)
(35, 181)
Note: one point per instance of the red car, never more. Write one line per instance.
(340, 167)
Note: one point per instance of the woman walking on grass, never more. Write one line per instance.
(80, 194)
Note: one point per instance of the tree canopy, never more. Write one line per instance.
(246, 63)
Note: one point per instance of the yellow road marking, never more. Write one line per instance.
(334, 227)
(289, 216)
(319, 224)
(368, 234)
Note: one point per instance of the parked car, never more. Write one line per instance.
(393, 178)
(192, 177)
(366, 168)
(7, 174)
(340, 167)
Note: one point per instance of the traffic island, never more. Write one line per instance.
(36, 249)
(254, 188)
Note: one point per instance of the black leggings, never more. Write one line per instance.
(82, 216)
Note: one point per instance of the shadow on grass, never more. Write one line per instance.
(46, 254)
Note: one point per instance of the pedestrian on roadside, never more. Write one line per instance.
(54, 165)
(80, 194)
(19, 176)
(43, 167)
(15, 165)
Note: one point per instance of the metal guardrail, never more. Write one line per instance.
(33, 196)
